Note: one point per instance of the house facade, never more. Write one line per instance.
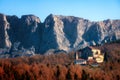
(89, 55)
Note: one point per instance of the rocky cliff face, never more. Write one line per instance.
(57, 32)
(25, 30)
(28, 32)
(4, 28)
(71, 33)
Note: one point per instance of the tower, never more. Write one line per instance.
(76, 55)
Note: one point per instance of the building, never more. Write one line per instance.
(78, 60)
(98, 56)
(90, 55)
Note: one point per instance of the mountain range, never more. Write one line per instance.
(57, 33)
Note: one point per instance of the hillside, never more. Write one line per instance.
(61, 67)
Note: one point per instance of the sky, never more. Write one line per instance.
(94, 10)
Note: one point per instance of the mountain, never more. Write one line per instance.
(57, 32)
(71, 33)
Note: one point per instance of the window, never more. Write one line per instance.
(96, 53)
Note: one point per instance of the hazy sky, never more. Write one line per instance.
(94, 10)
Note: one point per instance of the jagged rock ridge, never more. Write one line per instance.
(57, 32)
